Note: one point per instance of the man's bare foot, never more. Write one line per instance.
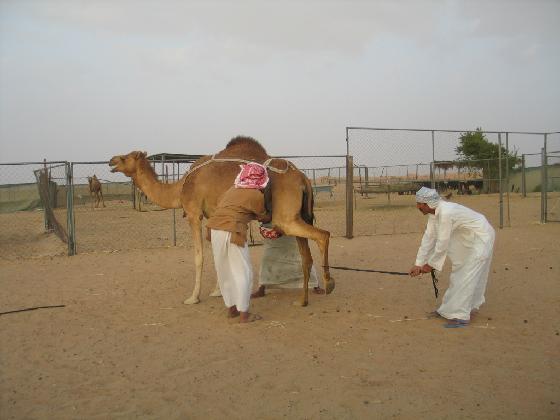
(233, 312)
(318, 290)
(260, 292)
(246, 317)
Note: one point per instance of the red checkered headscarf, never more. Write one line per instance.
(252, 175)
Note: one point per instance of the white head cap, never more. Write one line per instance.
(428, 196)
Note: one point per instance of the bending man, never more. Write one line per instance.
(468, 239)
(243, 202)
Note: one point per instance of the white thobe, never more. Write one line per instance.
(233, 266)
(281, 265)
(468, 239)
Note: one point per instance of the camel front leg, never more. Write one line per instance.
(321, 237)
(306, 262)
(195, 223)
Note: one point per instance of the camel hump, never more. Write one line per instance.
(242, 147)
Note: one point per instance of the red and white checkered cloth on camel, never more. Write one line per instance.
(252, 175)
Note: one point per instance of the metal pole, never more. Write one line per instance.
(500, 180)
(523, 179)
(347, 149)
(174, 216)
(433, 182)
(46, 219)
(349, 194)
(507, 179)
(543, 196)
(70, 223)
(545, 181)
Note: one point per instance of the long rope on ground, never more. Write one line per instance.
(396, 273)
(31, 309)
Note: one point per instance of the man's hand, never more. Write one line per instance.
(416, 270)
(265, 217)
(426, 268)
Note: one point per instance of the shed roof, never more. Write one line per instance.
(175, 157)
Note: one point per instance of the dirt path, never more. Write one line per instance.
(124, 346)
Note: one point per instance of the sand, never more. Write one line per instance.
(124, 345)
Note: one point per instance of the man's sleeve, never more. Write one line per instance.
(260, 210)
(441, 246)
(427, 244)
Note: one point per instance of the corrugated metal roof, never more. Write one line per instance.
(175, 157)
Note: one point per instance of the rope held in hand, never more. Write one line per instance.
(396, 273)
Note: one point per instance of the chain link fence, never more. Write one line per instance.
(123, 219)
(33, 203)
(390, 164)
(369, 191)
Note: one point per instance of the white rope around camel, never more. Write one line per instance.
(238, 160)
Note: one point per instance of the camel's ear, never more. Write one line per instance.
(136, 154)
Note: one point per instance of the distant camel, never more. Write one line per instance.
(95, 189)
(198, 191)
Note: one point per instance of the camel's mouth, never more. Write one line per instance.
(113, 164)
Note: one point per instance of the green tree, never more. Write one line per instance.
(477, 152)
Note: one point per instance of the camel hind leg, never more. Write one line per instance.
(102, 199)
(321, 237)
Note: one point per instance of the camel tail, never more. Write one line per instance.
(307, 203)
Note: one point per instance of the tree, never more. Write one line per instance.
(477, 152)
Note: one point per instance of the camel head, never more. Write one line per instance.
(127, 164)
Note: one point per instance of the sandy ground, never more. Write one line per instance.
(124, 345)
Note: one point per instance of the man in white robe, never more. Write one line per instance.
(468, 239)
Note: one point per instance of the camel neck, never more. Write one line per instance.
(164, 195)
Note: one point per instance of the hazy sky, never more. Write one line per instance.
(84, 80)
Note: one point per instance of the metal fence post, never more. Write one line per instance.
(545, 180)
(507, 179)
(70, 223)
(543, 194)
(523, 179)
(432, 180)
(175, 179)
(500, 186)
(349, 195)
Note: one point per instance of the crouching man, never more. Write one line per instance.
(468, 239)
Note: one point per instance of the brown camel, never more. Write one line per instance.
(198, 191)
(95, 190)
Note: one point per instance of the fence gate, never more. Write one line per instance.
(33, 203)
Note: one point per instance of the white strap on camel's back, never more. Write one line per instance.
(266, 164)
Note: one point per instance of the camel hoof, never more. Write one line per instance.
(216, 293)
(329, 286)
(299, 303)
(191, 301)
